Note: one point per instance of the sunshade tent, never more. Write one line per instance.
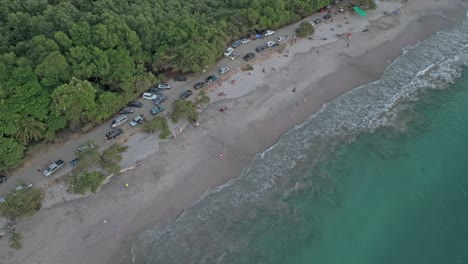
(359, 11)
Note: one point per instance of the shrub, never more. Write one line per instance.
(183, 109)
(88, 181)
(305, 29)
(15, 240)
(88, 160)
(22, 204)
(202, 98)
(158, 123)
(247, 67)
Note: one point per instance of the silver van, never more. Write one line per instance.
(119, 121)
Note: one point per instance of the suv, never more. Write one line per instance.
(149, 96)
(160, 99)
(158, 109)
(156, 90)
(164, 86)
(317, 21)
(113, 133)
(228, 52)
(137, 120)
(185, 94)
(198, 85)
(53, 167)
(211, 79)
(249, 56)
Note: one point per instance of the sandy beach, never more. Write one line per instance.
(262, 106)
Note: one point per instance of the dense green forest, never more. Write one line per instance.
(70, 64)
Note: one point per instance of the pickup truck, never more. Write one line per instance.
(53, 167)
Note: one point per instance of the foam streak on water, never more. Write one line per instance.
(210, 231)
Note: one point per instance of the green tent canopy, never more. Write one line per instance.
(359, 11)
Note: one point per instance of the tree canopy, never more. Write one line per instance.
(71, 64)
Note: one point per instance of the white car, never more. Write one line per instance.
(149, 96)
(269, 33)
(164, 86)
(341, 9)
(223, 70)
(246, 40)
(228, 52)
(270, 44)
(312, 23)
(279, 39)
(137, 120)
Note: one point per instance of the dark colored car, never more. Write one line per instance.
(160, 99)
(249, 56)
(113, 133)
(135, 104)
(156, 91)
(260, 48)
(127, 110)
(3, 178)
(211, 79)
(180, 78)
(158, 109)
(236, 44)
(327, 16)
(317, 21)
(198, 85)
(185, 94)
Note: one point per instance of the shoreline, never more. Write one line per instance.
(165, 186)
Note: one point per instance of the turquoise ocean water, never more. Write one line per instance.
(379, 175)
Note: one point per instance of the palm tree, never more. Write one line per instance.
(29, 129)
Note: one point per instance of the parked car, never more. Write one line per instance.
(137, 120)
(312, 23)
(164, 86)
(327, 16)
(270, 44)
(135, 104)
(3, 178)
(228, 52)
(279, 39)
(53, 167)
(223, 70)
(160, 99)
(198, 85)
(149, 96)
(180, 78)
(211, 79)
(120, 120)
(234, 56)
(113, 133)
(269, 33)
(317, 21)
(249, 56)
(341, 9)
(185, 94)
(236, 44)
(85, 147)
(158, 109)
(127, 110)
(156, 91)
(260, 48)
(244, 41)
(323, 9)
(22, 188)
